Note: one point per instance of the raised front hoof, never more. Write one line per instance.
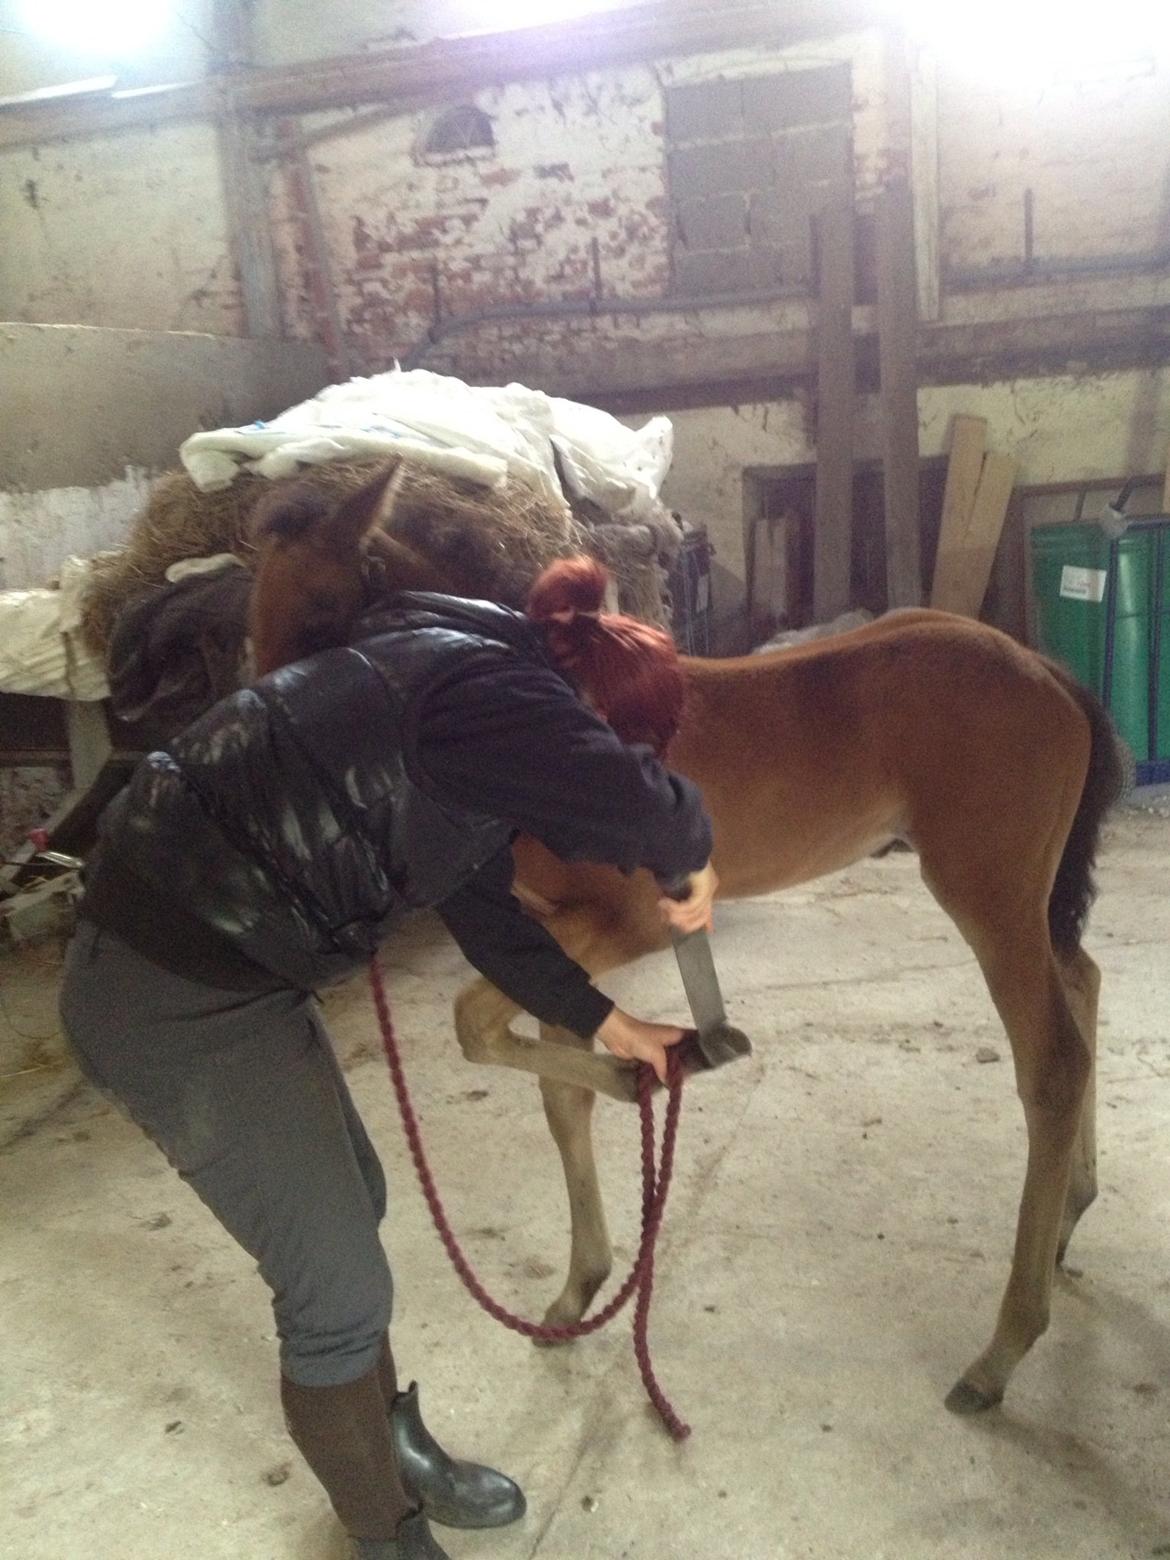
(723, 1044)
(963, 1398)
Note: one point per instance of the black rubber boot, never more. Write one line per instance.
(343, 1435)
(412, 1541)
(457, 1494)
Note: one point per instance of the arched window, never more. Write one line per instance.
(458, 130)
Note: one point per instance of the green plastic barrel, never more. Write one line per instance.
(1103, 608)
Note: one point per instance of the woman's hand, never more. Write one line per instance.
(636, 1041)
(693, 912)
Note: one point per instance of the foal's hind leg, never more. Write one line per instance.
(1052, 1070)
(1082, 985)
(569, 1112)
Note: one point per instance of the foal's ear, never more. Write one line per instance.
(303, 511)
(362, 512)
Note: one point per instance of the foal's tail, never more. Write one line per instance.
(1109, 777)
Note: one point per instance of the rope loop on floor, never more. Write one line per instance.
(656, 1178)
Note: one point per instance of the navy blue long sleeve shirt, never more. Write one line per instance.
(513, 740)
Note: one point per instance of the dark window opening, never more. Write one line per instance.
(462, 129)
(751, 162)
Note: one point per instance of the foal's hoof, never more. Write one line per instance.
(690, 1054)
(555, 1317)
(963, 1398)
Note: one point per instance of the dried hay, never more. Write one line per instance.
(522, 529)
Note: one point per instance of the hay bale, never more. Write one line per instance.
(519, 531)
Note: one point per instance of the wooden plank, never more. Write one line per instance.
(773, 539)
(833, 520)
(968, 442)
(897, 316)
(968, 568)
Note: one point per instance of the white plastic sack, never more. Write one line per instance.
(480, 433)
(41, 648)
(621, 469)
(419, 416)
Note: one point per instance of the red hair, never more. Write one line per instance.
(629, 669)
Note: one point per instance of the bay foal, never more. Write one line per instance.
(936, 730)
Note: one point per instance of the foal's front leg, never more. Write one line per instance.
(569, 1112)
(482, 1019)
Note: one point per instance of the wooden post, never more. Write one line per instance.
(244, 181)
(315, 250)
(925, 176)
(833, 521)
(897, 314)
(1166, 485)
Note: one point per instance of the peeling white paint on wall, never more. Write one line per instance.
(1062, 428)
(38, 531)
(1093, 153)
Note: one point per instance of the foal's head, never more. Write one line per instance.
(321, 562)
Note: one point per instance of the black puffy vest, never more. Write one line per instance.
(293, 819)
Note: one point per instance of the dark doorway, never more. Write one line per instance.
(779, 509)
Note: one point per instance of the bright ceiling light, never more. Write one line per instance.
(1037, 40)
(111, 29)
(529, 13)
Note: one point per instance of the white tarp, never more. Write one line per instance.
(484, 434)
(41, 648)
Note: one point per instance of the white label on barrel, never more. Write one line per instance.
(1083, 584)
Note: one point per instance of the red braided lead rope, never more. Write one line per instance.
(655, 1188)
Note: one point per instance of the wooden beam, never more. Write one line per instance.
(245, 185)
(447, 68)
(968, 443)
(833, 522)
(249, 226)
(667, 373)
(897, 311)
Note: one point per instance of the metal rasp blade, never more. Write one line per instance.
(719, 1041)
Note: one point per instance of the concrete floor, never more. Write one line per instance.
(834, 1255)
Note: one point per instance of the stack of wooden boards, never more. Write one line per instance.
(975, 504)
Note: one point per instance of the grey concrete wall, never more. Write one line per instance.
(82, 404)
(89, 416)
